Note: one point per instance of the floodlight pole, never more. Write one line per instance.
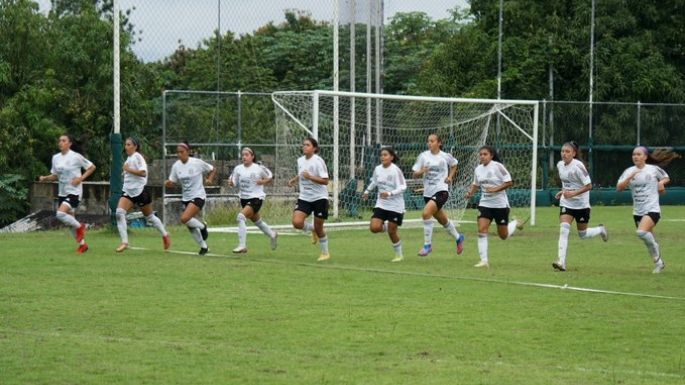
(115, 182)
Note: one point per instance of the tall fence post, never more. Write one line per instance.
(638, 122)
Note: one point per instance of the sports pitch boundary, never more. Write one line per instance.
(565, 287)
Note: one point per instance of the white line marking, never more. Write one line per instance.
(416, 274)
(329, 225)
(674, 220)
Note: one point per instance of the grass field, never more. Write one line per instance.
(278, 317)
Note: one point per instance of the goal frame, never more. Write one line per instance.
(314, 129)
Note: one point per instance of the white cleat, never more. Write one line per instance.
(240, 250)
(398, 258)
(274, 241)
(559, 266)
(659, 266)
(324, 257)
(482, 264)
(603, 233)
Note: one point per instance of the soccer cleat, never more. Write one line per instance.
(121, 247)
(82, 248)
(460, 244)
(482, 264)
(425, 250)
(203, 251)
(558, 266)
(520, 224)
(274, 241)
(167, 242)
(398, 258)
(315, 237)
(324, 257)
(204, 232)
(240, 250)
(659, 266)
(81, 233)
(603, 232)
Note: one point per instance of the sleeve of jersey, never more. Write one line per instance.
(401, 183)
(142, 164)
(372, 181)
(451, 161)
(323, 170)
(623, 176)
(418, 164)
(172, 175)
(583, 174)
(266, 173)
(504, 173)
(206, 167)
(85, 163)
(660, 173)
(53, 170)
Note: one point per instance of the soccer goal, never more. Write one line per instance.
(352, 128)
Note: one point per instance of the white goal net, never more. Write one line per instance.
(351, 128)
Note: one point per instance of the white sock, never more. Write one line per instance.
(121, 225)
(483, 246)
(649, 240)
(242, 230)
(511, 228)
(564, 230)
(385, 227)
(427, 231)
(451, 229)
(398, 248)
(265, 228)
(194, 223)
(68, 220)
(156, 223)
(308, 227)
(590, 232)
(324, 244)
(197, 236)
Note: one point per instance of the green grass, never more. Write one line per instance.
(149, 317)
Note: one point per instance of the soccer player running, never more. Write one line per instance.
(437, 169)
(390, 202)
(188, 172)
(66, 169)
(575, 201)
(134, 194)
(646, 181)
(312, 177)
(250, 179)
(492, 178)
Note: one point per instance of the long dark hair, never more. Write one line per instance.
(492, 151)
(392, 152)
(660, 156)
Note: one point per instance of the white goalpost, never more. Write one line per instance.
(352, 127)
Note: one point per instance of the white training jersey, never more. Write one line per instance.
(439, 166)
(310, 191)
(389, 179)
(189, 175)
(574, 176)
(245, 178)
(134, 184)
(492, 175)
(644, 189)
(67, 167)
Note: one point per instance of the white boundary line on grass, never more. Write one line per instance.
(416, 274)
(674, 220)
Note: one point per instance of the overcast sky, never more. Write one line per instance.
(163, 23)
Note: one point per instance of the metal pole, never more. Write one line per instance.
(240, 122)
(353, 64)
(336, 87)
(379, 22)
(592, 67)
(368, 71)
(638, 121)
(115, 182)
(499, 50)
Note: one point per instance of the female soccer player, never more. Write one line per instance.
(312, 176)
(135, 194)
(250, 178)
(575, 201)
(493, 179)
(66, 168)
(646, 181)
(437, 169)
(390, 202)
(188, 171)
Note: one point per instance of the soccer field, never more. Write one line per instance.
(279, 317)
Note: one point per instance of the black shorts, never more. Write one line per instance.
(500, 214)
(72, 199)
(199, 202)
(319, 208)
(439, 197)
(390, 216)
(580, 215)
(255, 203)
(141, 200)
(655, 218)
